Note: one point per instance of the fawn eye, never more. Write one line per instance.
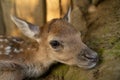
(55, 44)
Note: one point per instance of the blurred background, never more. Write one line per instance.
(35, 11)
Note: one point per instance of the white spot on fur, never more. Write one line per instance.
(5, 40)
(14, 40)
(7, 50)
(28, 48)
(17, 41)
(18, 50)
(1, 40)
(8, 47)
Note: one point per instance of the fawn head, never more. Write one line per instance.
(60, 41)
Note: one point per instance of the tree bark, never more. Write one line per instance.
(33, 11)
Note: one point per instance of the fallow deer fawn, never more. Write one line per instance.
(56, 41)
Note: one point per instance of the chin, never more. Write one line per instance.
(88, 66)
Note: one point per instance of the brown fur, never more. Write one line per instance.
(19, 58)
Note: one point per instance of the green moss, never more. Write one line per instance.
(76, 74)
(115, 49)
(117, 45)
(60, 70)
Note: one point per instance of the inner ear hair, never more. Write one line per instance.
(28, 29)
(68, 14)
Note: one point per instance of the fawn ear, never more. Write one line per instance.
(67, 15)
(28, 29)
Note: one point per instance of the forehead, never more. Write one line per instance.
(62, 29)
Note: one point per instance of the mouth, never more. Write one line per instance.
(87, 59)
(88, 65)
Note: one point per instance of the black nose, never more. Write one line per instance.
(90, 55)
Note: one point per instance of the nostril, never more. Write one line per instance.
(94, 60)
(91, 58)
